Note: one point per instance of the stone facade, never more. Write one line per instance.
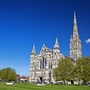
(75, 42)
(42, 64)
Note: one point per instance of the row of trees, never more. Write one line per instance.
(8, 74)
(67, 70)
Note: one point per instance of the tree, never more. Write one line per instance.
(0, 74)
(64, 70)
(12, 75)
(8, 74)
(55, 73)
(83, 69)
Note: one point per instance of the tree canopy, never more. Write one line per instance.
(67, 70)
(64, 70)
(83, 69)
(8, 74)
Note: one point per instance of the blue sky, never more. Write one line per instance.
(27, 22)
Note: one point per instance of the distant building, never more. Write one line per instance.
(21, 78)
(24, 78)
(42, 64)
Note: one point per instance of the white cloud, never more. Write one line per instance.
(88, 40)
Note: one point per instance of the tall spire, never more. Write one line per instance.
(75, 21)
(75, 28)
(33, 50)
(75, 42)
(56, 43)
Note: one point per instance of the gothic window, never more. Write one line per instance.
(35, 74)
(43, 63)
(72, 53)
(50, 65)
(35, 68)
(40, 64)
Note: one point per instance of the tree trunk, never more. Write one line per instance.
(84, 82)
(64, 81)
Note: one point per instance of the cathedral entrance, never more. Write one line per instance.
(41, 79)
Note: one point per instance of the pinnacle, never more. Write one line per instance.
(75, 22)
(33, 50)
(56, 43)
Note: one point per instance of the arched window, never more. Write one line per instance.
(43, 63)
(40, 64)
(35, 74)
(50, 65)
(35, 68)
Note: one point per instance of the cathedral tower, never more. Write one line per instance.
(75, 42)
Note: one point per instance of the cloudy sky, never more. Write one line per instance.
(24, 23)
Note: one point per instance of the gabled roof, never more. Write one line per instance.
(45, 49)
(70, 59)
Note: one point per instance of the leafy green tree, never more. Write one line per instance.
(64, 70)
(8, 74)
(12, 75)
(0, 74)
(83, 69)
(55, 73)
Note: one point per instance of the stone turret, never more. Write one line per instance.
(56, 47)
(33, 50)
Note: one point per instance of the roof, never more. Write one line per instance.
(70, 59)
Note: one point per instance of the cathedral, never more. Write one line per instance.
(42, 64)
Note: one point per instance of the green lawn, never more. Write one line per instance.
(18, 86)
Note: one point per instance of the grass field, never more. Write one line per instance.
(3, 86)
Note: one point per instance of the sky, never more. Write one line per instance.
(24, 23)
